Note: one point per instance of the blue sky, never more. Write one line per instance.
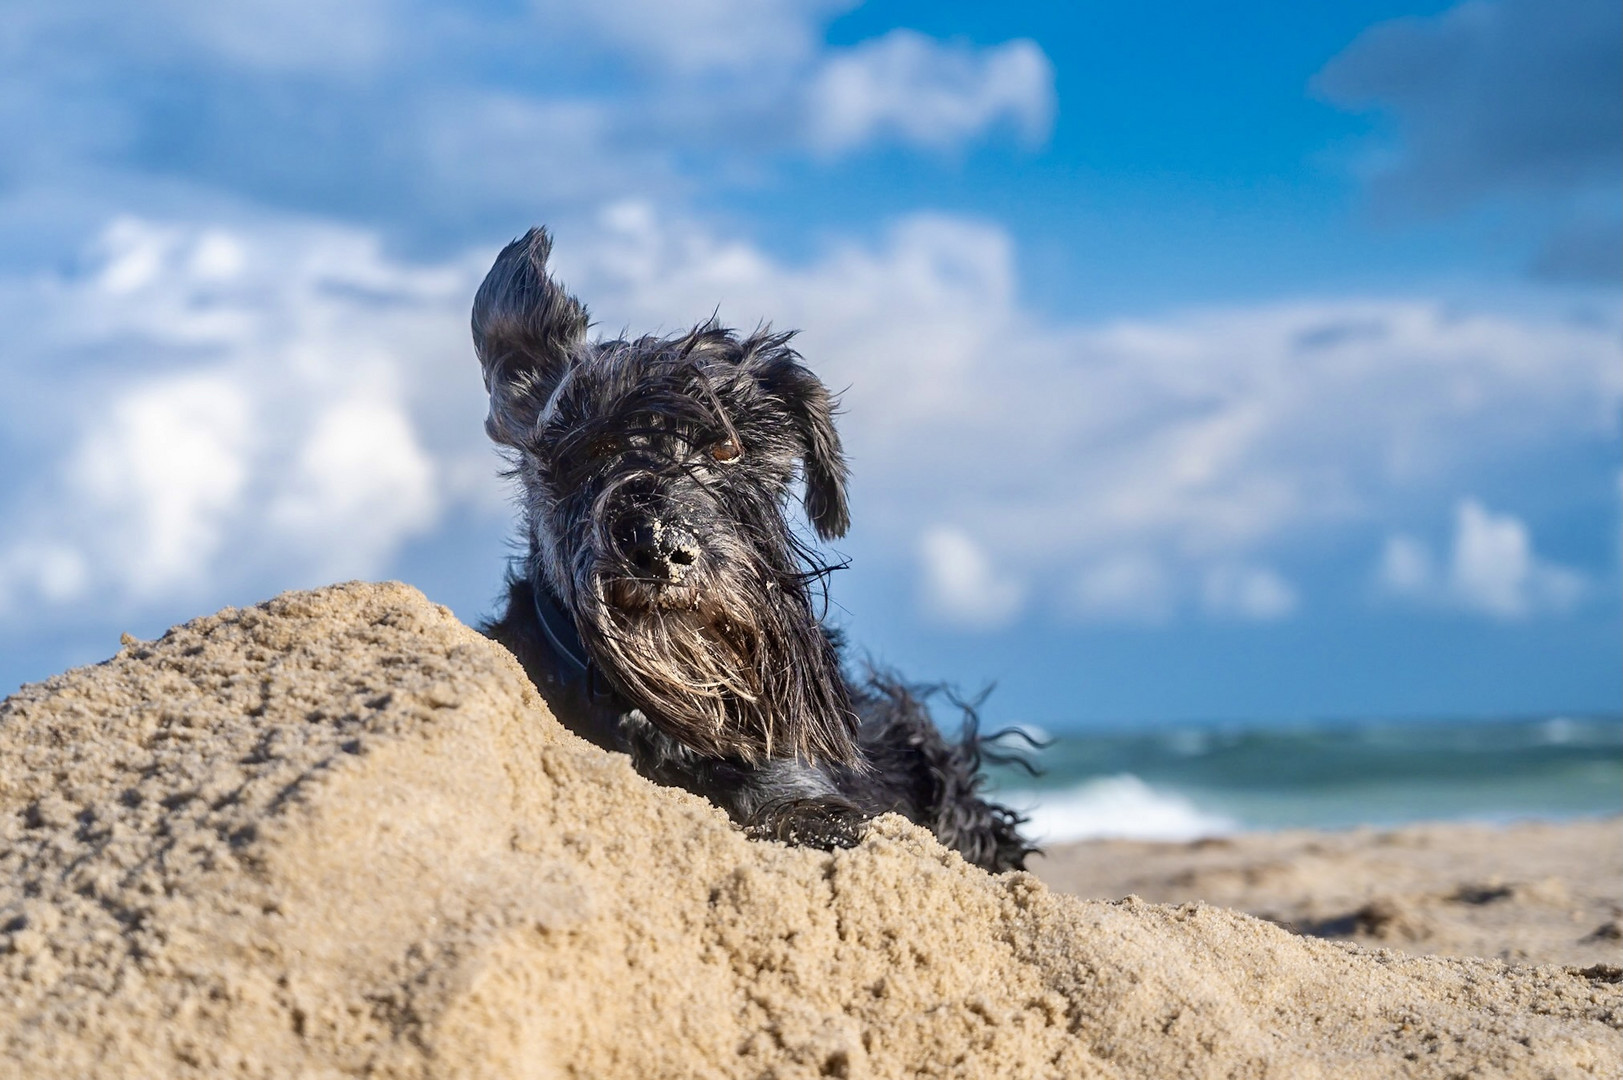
(1199, 361)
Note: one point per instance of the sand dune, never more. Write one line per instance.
(337, 835)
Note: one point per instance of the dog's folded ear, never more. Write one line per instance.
(824, 463)
(811, 411)
(525, 330)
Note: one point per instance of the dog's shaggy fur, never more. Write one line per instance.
(664, 603)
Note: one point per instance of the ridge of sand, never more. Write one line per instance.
(337, 835)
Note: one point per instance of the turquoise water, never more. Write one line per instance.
(1185, 782)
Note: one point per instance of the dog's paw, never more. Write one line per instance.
(820, 823)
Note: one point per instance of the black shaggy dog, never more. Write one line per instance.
(664, 604)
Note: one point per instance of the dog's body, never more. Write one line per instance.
(664, 607)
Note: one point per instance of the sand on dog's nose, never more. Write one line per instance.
(337, 834)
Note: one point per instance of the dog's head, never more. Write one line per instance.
(657, 475)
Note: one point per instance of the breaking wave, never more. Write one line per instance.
(1115, 807)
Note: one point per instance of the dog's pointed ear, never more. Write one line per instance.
(526, 330)
(811, 409)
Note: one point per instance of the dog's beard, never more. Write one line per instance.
(734, 667)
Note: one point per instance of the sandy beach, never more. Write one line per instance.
(337, 834)
(1528, 893)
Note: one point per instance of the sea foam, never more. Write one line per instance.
(1115, 807)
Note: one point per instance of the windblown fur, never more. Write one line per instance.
(656, 475)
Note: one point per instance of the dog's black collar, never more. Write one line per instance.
(560, 631)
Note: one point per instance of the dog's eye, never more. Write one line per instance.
(726, 450)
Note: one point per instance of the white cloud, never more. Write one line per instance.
(1254, 593)
(1492, 569)
(360, 483)
(916, 90)
(702, 35)
(282, 403)
(287, 35)
(274, 36)
(520, 151)
(55, 575)
(267, 405)
(1131, 587)
(1163, 462)
(160, 473)
(446, 121)
(1406, 566)
(1495, 571)
(960, 583)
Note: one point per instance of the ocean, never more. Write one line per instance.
(1187, 782)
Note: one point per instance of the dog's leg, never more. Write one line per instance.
(784, 799)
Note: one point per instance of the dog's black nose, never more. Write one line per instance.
(662, 552)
